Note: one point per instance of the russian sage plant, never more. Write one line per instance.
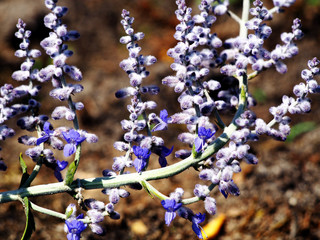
(213, 146)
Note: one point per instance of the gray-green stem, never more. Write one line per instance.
(126, 179)
(120, 180)
(244, 18)
(74, 165)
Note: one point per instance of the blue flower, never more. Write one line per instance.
(48, 132)
(60, 165)
(75, 228)
(196, 220)
(163, 121)
(163, 154)
(228, 187)
(203, 135)
(143, 155)
(73, 139)
(170, 205)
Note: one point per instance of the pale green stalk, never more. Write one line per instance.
(47, 211)
(127, 179)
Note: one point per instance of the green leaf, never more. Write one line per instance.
(25, 174)
(30, 225)
(70, 173)
(300, 128)
(195, 154)
(69, 213)
(22, 164)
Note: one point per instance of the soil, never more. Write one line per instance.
(280, 197)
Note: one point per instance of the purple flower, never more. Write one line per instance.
(162, 152)
(228, 187)
(210, 205)
(170, 205)
(48, 132)
(200, 190)
(163, 121)
(143, 155)
(73, 139)
(203, 135)
(75, 228)
(196, 220)
(115, 194)
(60, 165)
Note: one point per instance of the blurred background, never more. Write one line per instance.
(280, 197)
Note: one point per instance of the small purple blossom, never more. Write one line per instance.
(196, 220)
(228, 187)
(60, 165)
(170, 205)
(163, 121)
(163, 153)
(143, 155)
(210, 205)
(73, 139)
(203, 135)
(75, 228)
(115, 194)
(200, 191)
(47, 133)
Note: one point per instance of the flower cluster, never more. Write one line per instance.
(74, 225)
(216, 145)
(202, 100)
(173, 205)
(134, 142)
(245, 51)
(25, 92)
(135, 67)
(299, 105)
(55, 47)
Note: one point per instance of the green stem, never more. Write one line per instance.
(235, 17)
(197, 199)
(47, 211)
(126, 179)
(74, 165)
(244, 18)
(34, 173)
(153, 190)
(252, 75)
(120, 180)
(216, 114)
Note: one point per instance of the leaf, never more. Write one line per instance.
(30, 225)
(25, 174)
(300, 128)
(69, 213)
(194, 152)
(70, 173)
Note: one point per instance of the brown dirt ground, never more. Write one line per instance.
(280, 197)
